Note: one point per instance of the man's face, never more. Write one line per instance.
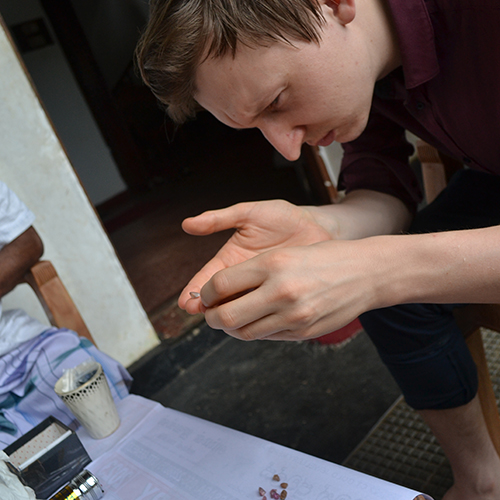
(306, 93)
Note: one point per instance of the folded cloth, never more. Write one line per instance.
(11, 487)
(29, 373)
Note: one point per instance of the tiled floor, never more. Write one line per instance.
(402, 449)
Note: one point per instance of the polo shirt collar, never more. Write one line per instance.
(416, 41)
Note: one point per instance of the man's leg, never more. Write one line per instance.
(463, 435)
(424, 349)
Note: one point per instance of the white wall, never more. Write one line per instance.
(34, 165)
(59, 91)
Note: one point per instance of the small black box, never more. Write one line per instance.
(48, 457)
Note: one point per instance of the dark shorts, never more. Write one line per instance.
(421, 343)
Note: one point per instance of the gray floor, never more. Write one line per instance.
(317, 399)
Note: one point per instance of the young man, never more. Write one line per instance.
(359, 72)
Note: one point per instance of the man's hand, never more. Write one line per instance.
(291, 273)
(295, 293)
(260, 227)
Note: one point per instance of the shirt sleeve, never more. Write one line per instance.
(15, 217)
(379, 160)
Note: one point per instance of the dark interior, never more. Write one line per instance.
(171, 172)
(205, 165)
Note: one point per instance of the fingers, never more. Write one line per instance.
(237, 320)
(241, 302)
(194, 306)
(214, 221)
(234, 282)
(216, 290)
(265, 323)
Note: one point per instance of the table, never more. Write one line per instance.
(161, 454)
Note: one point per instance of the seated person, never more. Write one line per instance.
(33, 356)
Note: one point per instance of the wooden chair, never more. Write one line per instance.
(317, 178)
(436, 171)
(329, 191)
(55, 299)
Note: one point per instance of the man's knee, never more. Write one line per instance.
(425, 352)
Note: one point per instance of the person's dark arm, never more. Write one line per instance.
(17, 257)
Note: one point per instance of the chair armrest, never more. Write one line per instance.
(55, 299)
(473, 316)
(437, 169)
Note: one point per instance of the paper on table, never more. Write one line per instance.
(132, 411)
(173, 456)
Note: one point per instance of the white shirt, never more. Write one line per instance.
(15, 218)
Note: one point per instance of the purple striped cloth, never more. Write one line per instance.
(28, 375)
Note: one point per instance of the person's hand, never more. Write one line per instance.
(295, 293)
(260, 226)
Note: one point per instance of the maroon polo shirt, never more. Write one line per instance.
(447, 92)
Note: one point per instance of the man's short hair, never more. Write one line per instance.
(181, 34)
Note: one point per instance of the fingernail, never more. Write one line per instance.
(194, 295)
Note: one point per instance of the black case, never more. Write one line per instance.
(57, 466)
